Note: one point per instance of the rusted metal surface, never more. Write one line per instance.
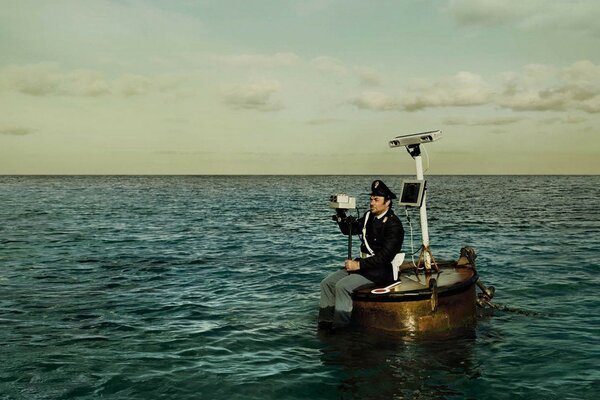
(408, 307)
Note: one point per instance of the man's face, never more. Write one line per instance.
(379, 205)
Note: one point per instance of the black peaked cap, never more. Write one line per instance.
(378, 188)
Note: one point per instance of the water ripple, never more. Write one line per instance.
(169, 287)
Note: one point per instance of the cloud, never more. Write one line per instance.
(322, 121)
(564, 16)
(493, 121)
(329, 64)
(576, 87)
(566, 120)
(183, 152)
(377, 101)
(577, 16)
(257, 60)
(15, 131)
(35, 80)
(133, 85)
(483, 12)
(463, 89)
(48, 79)
(535, 87)
(255, 96)
(369, 76)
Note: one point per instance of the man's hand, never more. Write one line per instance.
(340, 214)
(351, 265)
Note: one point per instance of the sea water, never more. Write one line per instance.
(207, 287)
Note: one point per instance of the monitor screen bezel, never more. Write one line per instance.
(419, 202)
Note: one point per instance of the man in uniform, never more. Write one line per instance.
(381, 234)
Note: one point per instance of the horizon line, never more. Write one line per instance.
(258, 175)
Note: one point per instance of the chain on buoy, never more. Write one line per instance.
(484, 298)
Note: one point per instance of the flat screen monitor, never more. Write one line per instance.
(412, 193)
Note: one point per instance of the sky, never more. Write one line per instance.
(298, 87)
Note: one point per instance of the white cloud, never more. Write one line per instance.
(322, 121)
(463, 89)
(574, 15)
(48, 79)
(15, 130)
(35, 80)
(491, 121)
(376, 101)
(254, 96)
(369, 76)
(329, 64)
(133, 85)
(535, 88)
(566, 120)
(576, 87)
(481, 12)
(582, 73)
(366, 75)
(257, 60)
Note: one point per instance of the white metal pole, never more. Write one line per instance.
(423, 215)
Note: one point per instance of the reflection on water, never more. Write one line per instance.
(383, 365)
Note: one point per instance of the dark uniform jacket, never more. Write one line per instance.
(384, 236)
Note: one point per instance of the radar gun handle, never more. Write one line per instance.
(349, 239)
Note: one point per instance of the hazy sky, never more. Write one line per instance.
(298, 87)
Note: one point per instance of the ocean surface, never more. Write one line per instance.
(207, 287)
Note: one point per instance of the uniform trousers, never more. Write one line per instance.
(335, 306)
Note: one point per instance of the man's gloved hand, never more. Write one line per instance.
(340, 214)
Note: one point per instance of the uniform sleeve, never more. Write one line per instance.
(393, 237)
(355, 227)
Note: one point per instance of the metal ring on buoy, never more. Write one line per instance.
(434, 294)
